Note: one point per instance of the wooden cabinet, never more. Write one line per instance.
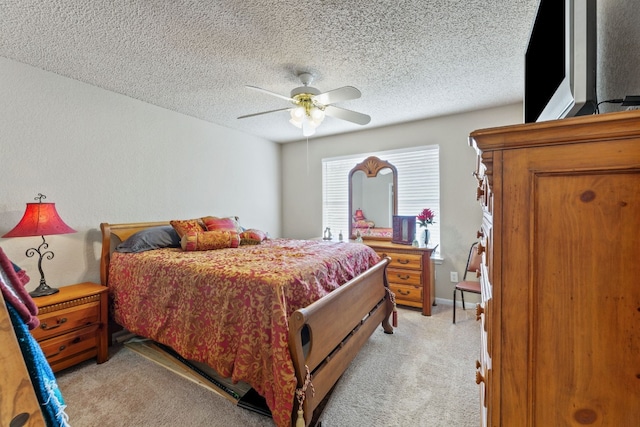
(73, 325)
(410, 274)
(18, 402)
(560, 306)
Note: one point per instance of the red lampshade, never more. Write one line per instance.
(40, 219)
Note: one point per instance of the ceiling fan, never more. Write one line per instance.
(310, 105)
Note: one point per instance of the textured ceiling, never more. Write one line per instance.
(411, 59)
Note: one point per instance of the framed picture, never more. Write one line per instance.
(404, 229)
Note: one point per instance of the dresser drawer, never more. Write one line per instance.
(410, 274)
(61, 321)
(407, 293)
(400, 260)
(68, 345)
(404, 277)
(73, 325)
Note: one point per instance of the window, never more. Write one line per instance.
(418, 186)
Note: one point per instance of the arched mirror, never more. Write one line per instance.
(373, 199)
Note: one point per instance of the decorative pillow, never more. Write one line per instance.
(252, 237)
(253, 234)
(245, 242)
(185, 226)
(208, 240)
(151, 238)
(212, 223)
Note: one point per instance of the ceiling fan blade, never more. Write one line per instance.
(348, 115)
(286, 98)
(265, 112)
(345, 93)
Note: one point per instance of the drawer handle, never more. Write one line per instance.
(479, 311)
(403, 261)
(60, 350)
(403, 277)
(480, 234)
(59, 323)
(478, 364)
(479, 377)
(479, 193)
(480, 249)
(405, 293)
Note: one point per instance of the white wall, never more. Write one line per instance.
(460, 213)
(618, 23)
(104, 157)
(617, 76)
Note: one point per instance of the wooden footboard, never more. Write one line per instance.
(338, 325)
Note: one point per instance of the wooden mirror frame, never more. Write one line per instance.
(371, 166)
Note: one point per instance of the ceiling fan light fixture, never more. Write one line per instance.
(307, 115)
(297, 117)
(297, 114)
(317, 115)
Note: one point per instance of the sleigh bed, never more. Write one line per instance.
(229, 309)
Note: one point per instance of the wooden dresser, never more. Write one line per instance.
(560, 306)
(410, 273)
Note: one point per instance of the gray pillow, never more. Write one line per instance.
(151, 238)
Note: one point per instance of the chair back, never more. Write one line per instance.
(473, 261)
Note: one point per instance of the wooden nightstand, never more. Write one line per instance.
(73, 325)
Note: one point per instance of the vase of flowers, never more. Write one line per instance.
(424, 219)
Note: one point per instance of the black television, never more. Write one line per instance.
(560, 61)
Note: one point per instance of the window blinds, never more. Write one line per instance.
(418, 186)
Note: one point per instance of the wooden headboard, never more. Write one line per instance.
(114, 234)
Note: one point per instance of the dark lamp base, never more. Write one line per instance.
(43, 290)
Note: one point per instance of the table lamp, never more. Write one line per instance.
(40, 219)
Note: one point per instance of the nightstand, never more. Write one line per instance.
(410, 273)
(73, 325)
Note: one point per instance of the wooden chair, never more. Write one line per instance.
(473, 266)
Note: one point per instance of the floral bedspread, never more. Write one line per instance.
(229, 308)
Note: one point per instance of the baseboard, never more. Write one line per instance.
(469, 313)
(468, 304)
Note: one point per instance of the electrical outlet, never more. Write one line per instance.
(454, 276)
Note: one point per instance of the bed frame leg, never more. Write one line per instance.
(386, 325)
(390, 305)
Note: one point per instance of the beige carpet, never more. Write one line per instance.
(197, 372)
(422, 375)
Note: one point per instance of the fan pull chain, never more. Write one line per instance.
(307, 156)
(301, 394)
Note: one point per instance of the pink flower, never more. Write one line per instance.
(425, 217)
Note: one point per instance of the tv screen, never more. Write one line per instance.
(560, 61)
